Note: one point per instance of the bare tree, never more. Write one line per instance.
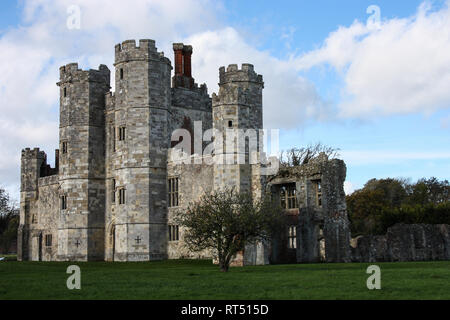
(225, 221)
(299, 156)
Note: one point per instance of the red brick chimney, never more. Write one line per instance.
(183, 70)
(178, 51)
(187, 53)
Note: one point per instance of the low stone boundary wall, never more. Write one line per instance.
(403, 242)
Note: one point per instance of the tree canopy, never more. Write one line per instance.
(226, 221)
(9, 221)
(383, 203)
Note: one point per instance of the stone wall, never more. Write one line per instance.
(195, 180)
(39, 212)
(323, 232)
(336, 231)
(48, 213)
(403, 242)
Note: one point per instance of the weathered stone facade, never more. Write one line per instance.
(116, 188)
(319, 218)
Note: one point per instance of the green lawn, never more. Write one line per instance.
(181, 279)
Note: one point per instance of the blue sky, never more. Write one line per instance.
(380, 95)
(308, 23)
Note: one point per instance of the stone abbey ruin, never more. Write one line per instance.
(115, 188)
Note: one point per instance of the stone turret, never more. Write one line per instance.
(236, 109)
(237, 115)
(138, 125)
(82, 162)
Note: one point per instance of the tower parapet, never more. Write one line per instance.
(129, 51)
(241, 86)
(234, 74)
(31, 163)
(71, 73)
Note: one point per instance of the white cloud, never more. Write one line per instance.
(31, 54)
(289, 100)
(445, 122)
(403, 67)
(349, 188)
(367, 157)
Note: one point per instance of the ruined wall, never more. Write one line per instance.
(322, 232)
(48, 213)
(403, 242)
(336, 231)
(34, 223)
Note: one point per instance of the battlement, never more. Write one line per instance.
(70, 68)
(129, 51)
(234, 74)
(42, 168)
(71, 73)
(130, 45)
(35, 153)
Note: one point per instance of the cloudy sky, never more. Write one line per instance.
(369, 77)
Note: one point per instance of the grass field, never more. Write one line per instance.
(181, 279)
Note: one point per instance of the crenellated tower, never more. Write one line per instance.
(237, 115)
(138, 125)
(237, 118)
(82, 162)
